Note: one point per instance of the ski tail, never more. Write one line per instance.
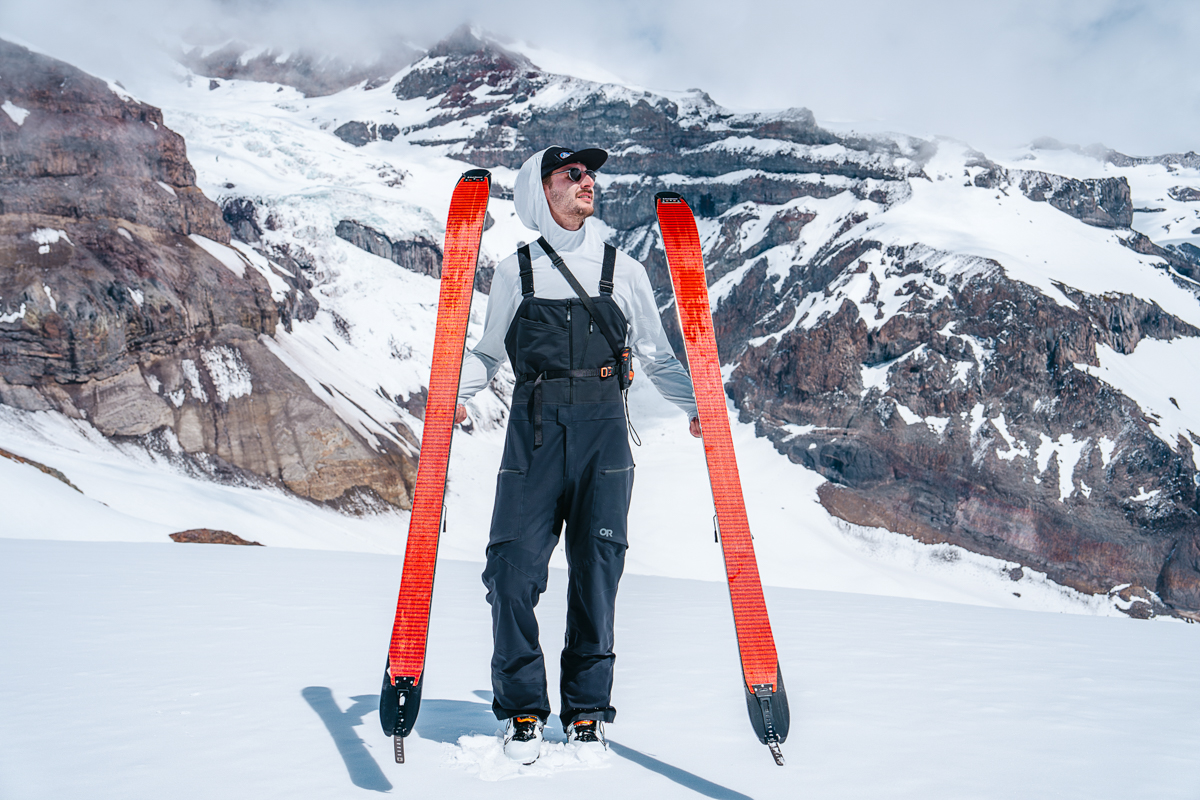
(399, 702)
(765, 696)
(769, 714)
(403, 679)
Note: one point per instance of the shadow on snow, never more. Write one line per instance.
(446, 721)
(364, 772)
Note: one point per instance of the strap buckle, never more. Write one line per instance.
(607, 372)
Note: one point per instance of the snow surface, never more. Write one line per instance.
(199, 671)
(15, 112)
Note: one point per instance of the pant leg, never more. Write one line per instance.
(526, 520)
(595, 548)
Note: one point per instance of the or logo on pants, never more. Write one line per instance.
(606, 532)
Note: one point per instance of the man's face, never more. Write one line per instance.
(570, 201)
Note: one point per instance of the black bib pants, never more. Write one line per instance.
(566, 461)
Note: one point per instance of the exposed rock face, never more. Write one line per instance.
(84, 152)
(418, 255)
(51, 471)
(210, 536)
(361, 133)
(121, 302)
(1103, 202)
(974, 481)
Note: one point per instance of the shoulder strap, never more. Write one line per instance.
(526, 264)
(613, 342)
(606, 272)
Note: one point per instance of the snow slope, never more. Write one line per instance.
(195, 671)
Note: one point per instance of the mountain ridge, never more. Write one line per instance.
(943, 336)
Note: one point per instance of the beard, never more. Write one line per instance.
(564, 202)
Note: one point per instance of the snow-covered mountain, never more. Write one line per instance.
(953, 376)
(984, 353)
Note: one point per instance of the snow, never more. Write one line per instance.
(167, 188)
(207, 671)
(1162, 378)
(193, 375)
(45, 237)
(120, 91)
(14, 315)
(1068, 452)
(1013, 451)
(228, 372)
(226, 255)
(15, 112)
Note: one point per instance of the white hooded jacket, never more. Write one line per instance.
(583, 252)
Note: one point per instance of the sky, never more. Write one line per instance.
(996, 74)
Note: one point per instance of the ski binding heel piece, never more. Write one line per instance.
(770, 734)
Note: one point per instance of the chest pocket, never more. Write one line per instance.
(537, 346)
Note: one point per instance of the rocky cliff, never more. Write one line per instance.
(122, 302)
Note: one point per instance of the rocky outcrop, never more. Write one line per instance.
(937, 425)
(83, 151)
(210, 536)
(363, 133)
(1103, 202)
(122, 302)
(418, 255)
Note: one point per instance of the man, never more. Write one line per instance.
(566, 456)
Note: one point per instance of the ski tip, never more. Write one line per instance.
(670, 197)
(476, 175)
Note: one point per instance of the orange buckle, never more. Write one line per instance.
(606, 372)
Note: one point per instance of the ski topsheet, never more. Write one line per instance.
(401, 696)
(765, 696)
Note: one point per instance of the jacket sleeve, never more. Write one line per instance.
(483, 361)
(649, 343)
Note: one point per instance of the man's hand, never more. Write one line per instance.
(694, 427)
(460, 414)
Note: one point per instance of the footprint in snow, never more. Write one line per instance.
(484, 755)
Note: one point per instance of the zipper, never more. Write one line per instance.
(510, 471)
(570, 353)
(617, 470)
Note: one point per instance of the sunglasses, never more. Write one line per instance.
(576, 174)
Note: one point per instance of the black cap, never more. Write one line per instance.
(555, 157)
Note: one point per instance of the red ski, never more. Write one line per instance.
(766, 699)
(400, 699)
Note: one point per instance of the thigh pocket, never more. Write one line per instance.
(610, 503)
(510, 501)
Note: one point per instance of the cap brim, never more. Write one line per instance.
(593, 158)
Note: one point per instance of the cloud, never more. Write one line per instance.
(994, 74)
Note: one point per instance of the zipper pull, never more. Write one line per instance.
(568, 314)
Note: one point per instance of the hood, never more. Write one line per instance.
(534, 211)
